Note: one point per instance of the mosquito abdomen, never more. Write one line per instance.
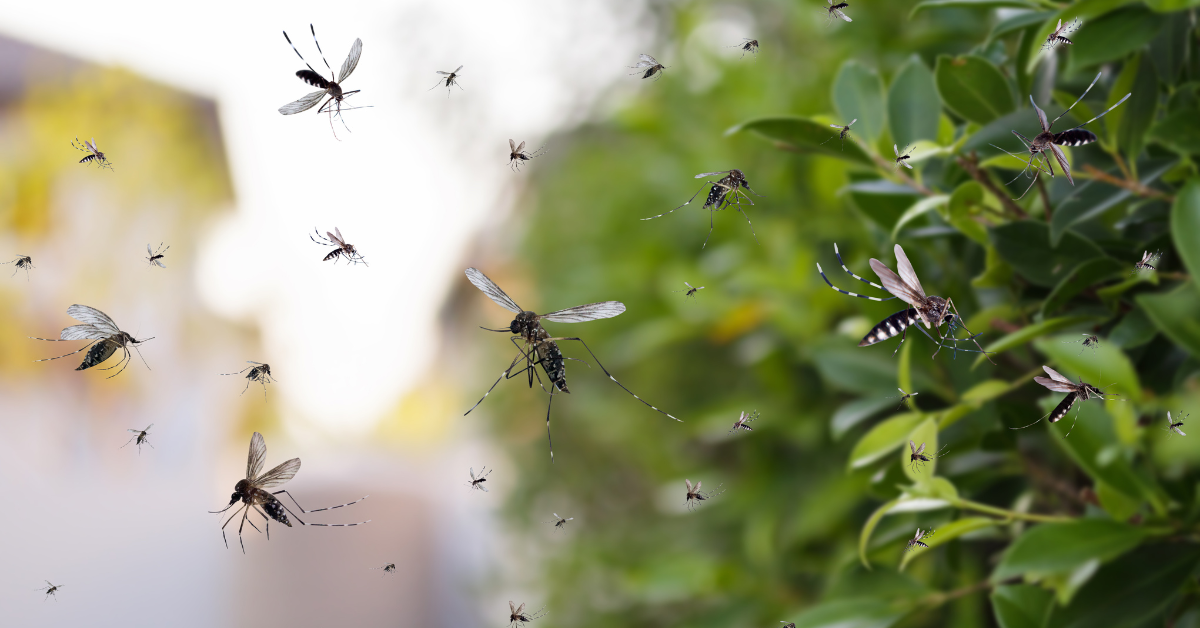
(1075, 137)
(891, 327)
(99, 352)
(314, 79)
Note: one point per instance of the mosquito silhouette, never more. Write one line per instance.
(518, 616)
(50, 589)
(740, 423)
(747, 45)
(155, 257)
(916, 541)
(23, 262)
(478, 480)
(902, 157)
(843, 134)
(690, 290)
(651, 65)
(1059, 34)
(560, 522)
(94, 153)
(517, 154)
(260, 373)
(905, 396)
(389, 568)
(1149, 259)
(917, 456)
(1173, 425)
(140, 437)
(329, 87)
(695, 496)
(451, 79)
(341, 247)
(1088, 341)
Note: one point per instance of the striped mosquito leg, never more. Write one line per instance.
(891, 326)
(869, 283)
(589, 350)
(958, 321)
(88, 345)
(837, 289)
(506, 374)
(322, 525)
(684, 205)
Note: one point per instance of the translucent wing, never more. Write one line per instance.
(280, 474)
(852, 122)
(339, 235)
(842, 15)
(83, 332)
(1062, 162)
(689, 485)
(836, 126)
(648, 59)
(160, 264)
(589, 312)
(893, 284)
(906, 165)
(698, 483)
(92, 145)
(710, 174)
(512, 608)
(1041, 114)
(493, 291)
(1179, 431)
(912, 447)
(896, 149)
(149, 251)
(94, 317)
(906, 271)
(442, 73)
(521, 608)
(1059, 28)
(921, 449)
(472, 473)
(1053, 385)
(351, 61)
(1057, 376)
(258, 454)
(512, 146)
(687, 284)
(458, 70)
(304, 104)
(520, 146)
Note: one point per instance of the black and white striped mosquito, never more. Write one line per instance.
(1173, 425)
(1088, 341)
(260, 373)
(917, 456)
(155, 257)
(328, 87)
(904, 397)
(724, 192)
(742, 420)
(141, 437)
(518, 616)
(1060, 33)
(560, 522)
(478, 480)
(517, 154)
(932, 311)
(451, 79)
(691, 291)
(94, 153)
(342, 249)
(651, 66)
(540, 348)
(835, 11)
(1075, 392)
(843, 134)
(50, 589)
(389, 568)
(917, 539)
(747, 45)
(902, 157)
(1149, 261)
(695, 495)
(105, 338)
(252, 492)
(23, 262)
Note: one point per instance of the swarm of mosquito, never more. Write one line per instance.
(845, 130)
(1149, 261)
(105, 339)
(1174, 425)
(650, 65)
(695, 495)
(835, 11)
(723, 192)
(260, 373)
(23, 262)
(517, 154)
(141, 437)
(478, 480)
(1081, 391)
(93, 153)
(518, 616)
(328, 87)
(1059, 35)
(917, 539)
(740, 424)
(155, 256)
(342, 249)
(451, 79)
(917, 456)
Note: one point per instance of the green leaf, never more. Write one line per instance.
(913, 104)
(1115, 598)
(1051, 548)
(1036, 330)
(1170, 6)
(919, 209)
(947, 533)
(1185, 226)
(973, 88)
(1112, 36)
(1092, 198)
(864, 536)
(924, 434)
(1021, 605)
(883, 439)
(1134, 330)
(865, 612)
(967, 196)
(854, 412)
(1081, 278)
(1178, 131)
(804, 135)
(985, 391)
(1026, 246)
(1175, 314)
(1140, 108)
(882, 201)
(1168, 50)
(1094, 447)
(971, 4)
(858, 94)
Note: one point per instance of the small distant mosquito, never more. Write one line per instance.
(342, 249)
(389, 568)
(23, 262)
(905, 396)
(141, 438)
(917, 457)
(260, 374)
(690, 290)
(747, 45)
(695, 496)
(560, 522)
(105, 338)
(725, 191)
(94, 153)
(835, 11)
(252, 492)
(478, 480)
(1088, 341)
(1149, 259)
(517, 154)
(1059, 34)
(843, 134)
(451, 79)
(652, 67)
(155, 257)
(902, 157)
(916, 540)
(517, 614)
(787, 624)
(50, 589)
(1173, 425)
(328, 87)
(740, 423)
(1075, 392)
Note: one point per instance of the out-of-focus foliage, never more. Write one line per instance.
(1032, 528)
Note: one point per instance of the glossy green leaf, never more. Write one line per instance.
(1062, 547)
(854, 412)
(1092, 198)
(1170, 6)
(804, 135)
(947, 533)
(1094, 446)
(918, 209)
(1017, 22)
(1030, 332)
(1175, 313)
(882, 201)
(965, 202)
(1140, 109)
(1168, 50)
(1134, 330)
(851, 613)
(985, 391)
(926, 5)
(1113, 36)
(858, 94)
(1185, 226)
(883, 439)
(1021, 605)
(1116, 598)
(864, 535)
(1081, 278)
(913, 104)
(1178, 131)
(1026, 246)
(973, 88)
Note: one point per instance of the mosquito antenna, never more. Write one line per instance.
(289, 40)
(314, 34)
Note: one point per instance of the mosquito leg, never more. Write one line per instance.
(903, 335)
(284, 491)
(503, 375)
(123, 363)
(589, 350)
(247, 385)
(548, 439)
(64, 355)
(959, 318)
(710, 227)
(684, 205)
(739, 206)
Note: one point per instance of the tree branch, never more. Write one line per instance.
(1129, 184)
(971, 165)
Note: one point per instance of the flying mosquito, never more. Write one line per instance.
(904, 396)
(902, 157)
(517, 154)
(451, 79)
(916, 540)
(740, 423)
(917, 456)
(24, 262)
(1148, 262)
(105, 338)
(140, 437)
(725, 191)
(478, 480)
(389, 568)
(1049, 142)
(560, 522)
(690, 290)
(835, 11)
(787, 624)
(329, 87)
(341, 248)
(155, 257)
(1075, 392)
(252, 492)
(843, 134)
(1173, 425)
(50, 589)
(517, 614)
(932, 311)
(94, 153)
(747, 45)
(540, 348)
(260, 373)
(1059, 34)
(1087, 341)
(695, 496)
(652, 67)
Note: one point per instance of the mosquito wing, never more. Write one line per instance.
(92, 145)
(1041, 114)
(1057, 376)
(512, 146)
(151, 253)
(493, 291)
(159, 263)
(893, 284)
(280, 474)
(304, 104)
(351, 61)
(520, 608)
(842, 15)
(906, 271)
(647, 59)
(852, 123)
(589, 312)
(837, 126)
(912, 447)
(1062, 162)
(1178, 431)
(689, 485)
(906, 165)
(83, 332)
(711, 174)
(896, 149)
(258, 454)
(687, 284)
(520, 146)
(459, 69)
(93, 317)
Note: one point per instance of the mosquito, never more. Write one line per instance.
(932, 311)
(23, 262)
(94, 154)
(787, 624)
(389, 568)
(451, 79)
(690, 290)
(50, 589)
(843, 134)
(1059, 34)
(835, 11)
(478, 480)
(517, 154)
(902, 157)
(725, 191)
(740, 423)
(560, 522)
(140, 437)
(917, 456)
(652, 66)
(1075, 392)
(253, 493)
(260, 373)
(540, 348)
(695, 496)
(1149, 259)
(904, 396)
(328, 87)
(917, 539)
(517, 614)
(105, 338)
(156, 256)
(747, 45)
(1088, 340)
(1173, 425)
(342, 249)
